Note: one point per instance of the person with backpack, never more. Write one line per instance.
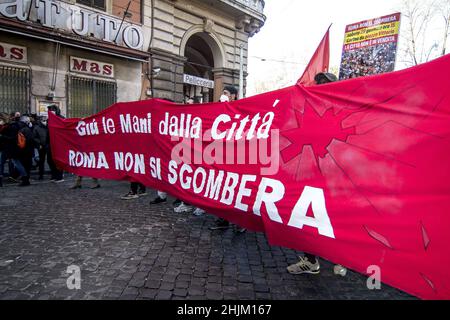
(26, 148)
(11, 148)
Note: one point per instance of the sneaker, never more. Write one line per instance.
(238, 229)
(304, 266)
(340, 270)
(199, 212)
(142, 193)
(130, 196)
(97, 186)
(75, 186)
(183, 208)
(221, 224)
(158, 200)
(176, 203)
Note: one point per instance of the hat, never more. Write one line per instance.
(328, 77)
(231, 89)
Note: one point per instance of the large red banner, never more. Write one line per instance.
(356, 171)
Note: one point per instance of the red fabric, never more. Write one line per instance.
(377, 148)
(319, 62)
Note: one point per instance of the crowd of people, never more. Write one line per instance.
(368, 61)
(24, 145)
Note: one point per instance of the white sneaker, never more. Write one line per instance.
(340, 270)
(304, 266)
(199, 212)
(182, 208)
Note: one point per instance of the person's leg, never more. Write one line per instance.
(134, 187)
(311, 258)
(19, 167)
(27, 162)
(57, 174)
(95, 183)
(142, 191)
(133, 192)
(2, 166)
(51, 164)
(77, 184)
(13, 172)
(162, 197)
(41, 164)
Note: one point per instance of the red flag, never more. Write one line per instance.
(320, 61)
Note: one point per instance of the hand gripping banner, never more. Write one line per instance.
(356, 172)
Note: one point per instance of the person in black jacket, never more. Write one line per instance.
(10, 147)
(40, 136)
(26, 153)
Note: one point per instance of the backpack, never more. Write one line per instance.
(21, 140)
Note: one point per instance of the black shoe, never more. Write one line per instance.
(14, 180)
(240, 230)
(97, 186)
(221, 224)
(158, 200)
(176, 203)
(24, 183)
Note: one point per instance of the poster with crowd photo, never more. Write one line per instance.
(370, 47)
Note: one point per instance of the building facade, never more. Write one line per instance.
(84, 55)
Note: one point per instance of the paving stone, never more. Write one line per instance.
(130, 250)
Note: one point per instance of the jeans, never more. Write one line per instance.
(17, 164)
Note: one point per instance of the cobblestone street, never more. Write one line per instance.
(129, 250)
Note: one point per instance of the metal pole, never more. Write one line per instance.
(241, 72)
(121, 22)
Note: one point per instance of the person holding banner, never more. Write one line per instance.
(179, 206)
(229, 94)
(310, 263)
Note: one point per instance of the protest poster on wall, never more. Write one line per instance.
(370, 47)
(356, 172)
